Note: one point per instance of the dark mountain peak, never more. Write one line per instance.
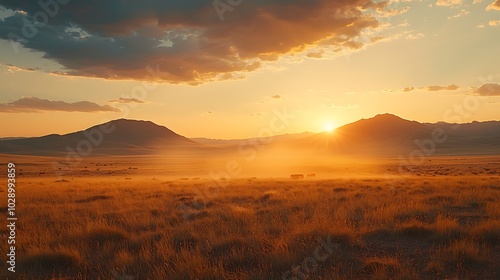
(387, 117)
(133, 127)
(381, 123)
(133, 124)
(121, 136)
(384, 130)
(137, 132)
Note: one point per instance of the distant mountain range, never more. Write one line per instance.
(383, 134)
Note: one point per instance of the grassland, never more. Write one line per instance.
(432, 226)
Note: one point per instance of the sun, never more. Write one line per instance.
(328, 127)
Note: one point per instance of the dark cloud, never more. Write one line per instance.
(276, 96)
(439, 88)
(186, 40)
(13, 68)
(34, 104)
(488, 90)
(126, 100)
(407, 89)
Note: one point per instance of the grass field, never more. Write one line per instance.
(141, 227)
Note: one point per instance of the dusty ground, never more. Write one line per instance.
(145, 218)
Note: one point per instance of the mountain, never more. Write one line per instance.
(383, 135)
(391, 135)
(115, 137)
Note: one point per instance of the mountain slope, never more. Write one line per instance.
(387, 134)
(118, 136)
(382, 135)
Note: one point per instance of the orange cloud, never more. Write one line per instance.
(494, 6)
(185, 41)
(439, 88)
(449, 2)
(494, 23)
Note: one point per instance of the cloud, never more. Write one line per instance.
(346, 106)
(408, 89)
(439, 88)
(494, 6)
(318, 54)
(276, 96)
(488, 90)
(126, 100)
(459, 14)
(449, 3)
(415, 36)
(377, 38)
(396, 12)
(11, 68)
(404, 23)
(185, 41)
(494, 22)
(34, 104)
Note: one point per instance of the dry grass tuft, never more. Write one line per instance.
(415, 228)
(461, 254)
(488, 231)
(184, 240)
(381, 267)
(102, 235)
(447, 228)
(49, 261)
(372, 263)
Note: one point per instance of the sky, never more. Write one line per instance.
(227, 68)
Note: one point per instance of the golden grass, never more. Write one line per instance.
(487, 231)
(460, 254)
(48, 261)
(388, 267)
(447, 227)
(423, 228)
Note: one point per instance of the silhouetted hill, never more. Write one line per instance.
(134, 132)
(382, 135)
(115, 137)
(388, 134)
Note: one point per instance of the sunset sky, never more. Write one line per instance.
(221, 69)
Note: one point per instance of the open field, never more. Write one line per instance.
(440, 220)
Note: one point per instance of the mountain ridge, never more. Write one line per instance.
(383, 133)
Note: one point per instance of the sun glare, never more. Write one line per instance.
(329, 127)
